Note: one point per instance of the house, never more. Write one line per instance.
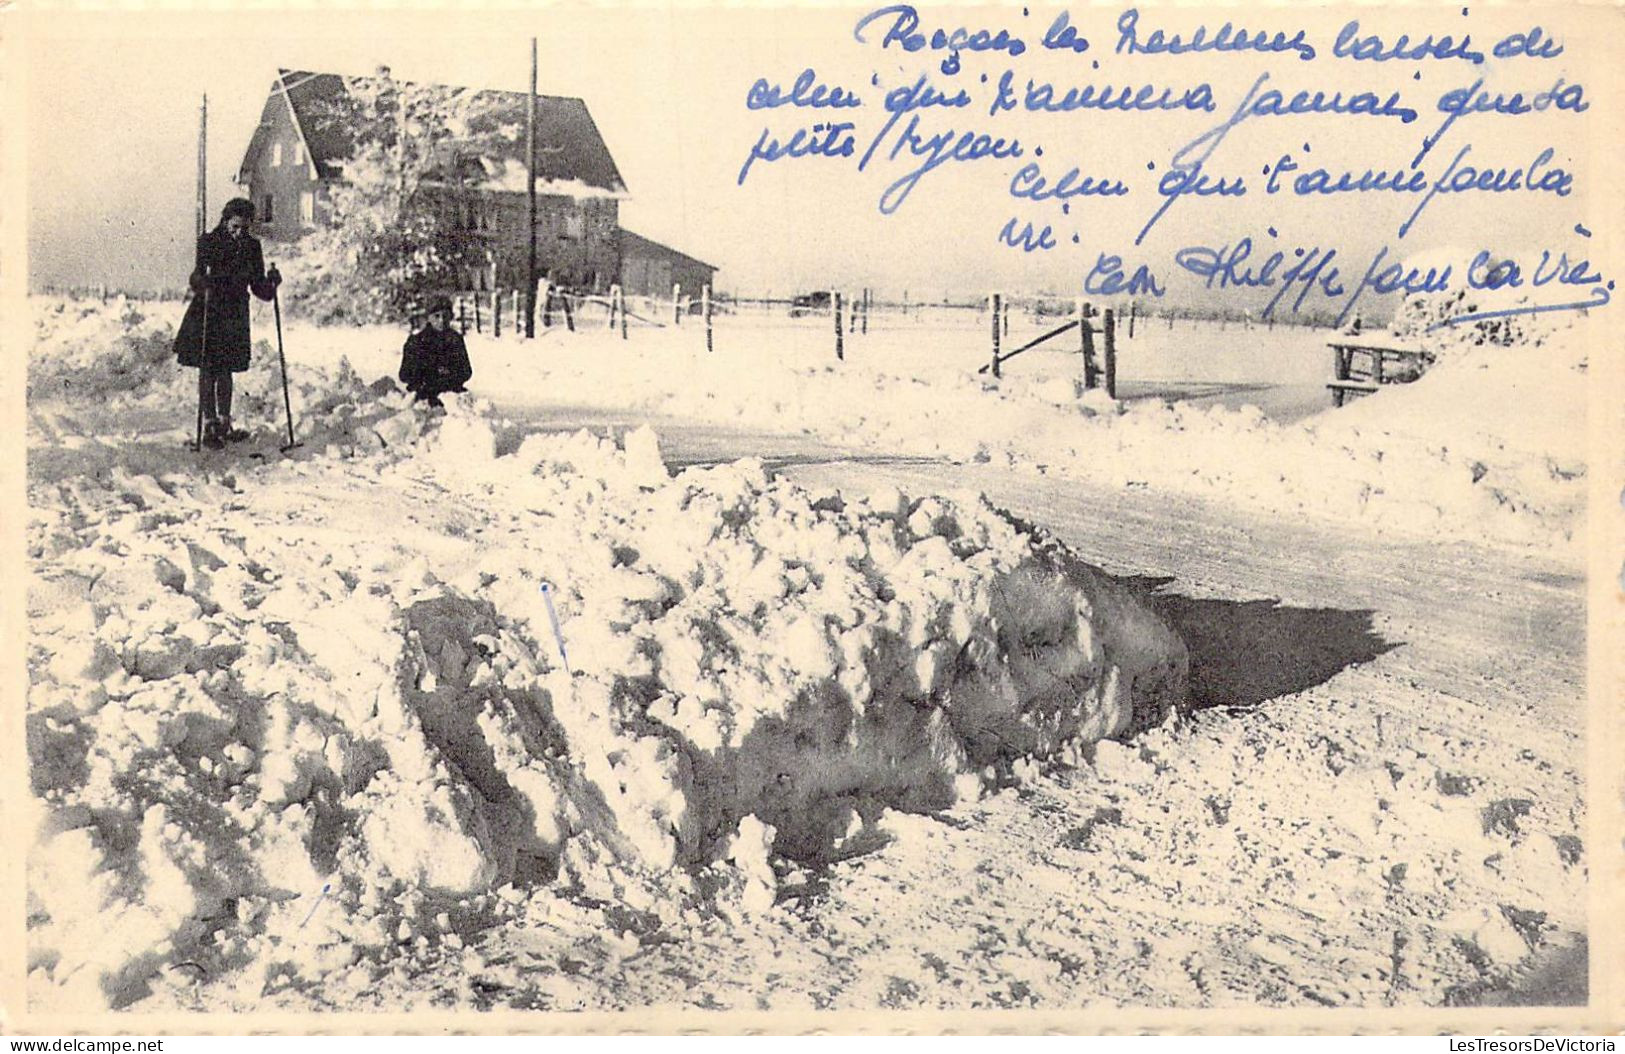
(651, 269)
(298, 153)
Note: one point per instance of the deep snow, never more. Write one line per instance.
(300, 733)
(239, 698)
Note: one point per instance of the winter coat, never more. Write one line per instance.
(234, 267)
(435, 361)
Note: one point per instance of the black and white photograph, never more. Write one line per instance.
(794, 517)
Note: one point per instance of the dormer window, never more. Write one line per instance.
(276, 155)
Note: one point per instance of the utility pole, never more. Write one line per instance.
(203, 167)
(530, 195)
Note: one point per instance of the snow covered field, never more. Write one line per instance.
(1234, 710)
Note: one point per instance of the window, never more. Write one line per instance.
(307, 208)
(267, 214)
(575, 227)
(276, 154)
(299, 153)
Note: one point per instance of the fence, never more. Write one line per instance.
(992, 330)
(105, 293)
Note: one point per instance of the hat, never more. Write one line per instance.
(439, 303)
(237, 207)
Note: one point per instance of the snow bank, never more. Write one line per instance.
(294, 719)
(1486, 450)
(1486, 470)
(87, 349)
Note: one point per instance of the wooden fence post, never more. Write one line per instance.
(547, 303)
(475, 296)
(1091, 373)
(621, 296)
(569, 310)
(705, 309)
(1111, 356)
(1133, 309)
(496, 313)
(840, 350)
(1006, 322)
(676, 304)
(1085, 349)
(462, 315)
(867, 300)
(998, 309)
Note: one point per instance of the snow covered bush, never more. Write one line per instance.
(1423, 320)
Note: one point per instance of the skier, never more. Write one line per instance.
(214, 335)
(435, 359)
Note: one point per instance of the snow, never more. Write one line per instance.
(243, 694)
(303, 724)
(1422, 459)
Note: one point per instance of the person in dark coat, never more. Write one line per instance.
(435, 359)
(214, 334)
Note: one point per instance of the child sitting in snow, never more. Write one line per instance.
(435, 359)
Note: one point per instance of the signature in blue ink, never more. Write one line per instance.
(1308, 270)
(1396, 278)
(1490, 272)
(1241, 267)
(904, 31)
(1107, 278)
(806, 91)
(1599, 297)
(1226, 38)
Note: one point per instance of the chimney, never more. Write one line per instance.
(383, 72)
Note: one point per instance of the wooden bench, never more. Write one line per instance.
(1358, 369)
(1343, 390)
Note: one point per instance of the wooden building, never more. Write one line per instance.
(298, 153)
(651, 269)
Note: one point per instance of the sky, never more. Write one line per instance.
(112, 110)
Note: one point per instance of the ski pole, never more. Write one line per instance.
(287, 403)
(202, 361)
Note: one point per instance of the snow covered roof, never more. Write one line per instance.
(633, 244)
(571, 156)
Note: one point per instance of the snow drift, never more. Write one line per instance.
(336, 679)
